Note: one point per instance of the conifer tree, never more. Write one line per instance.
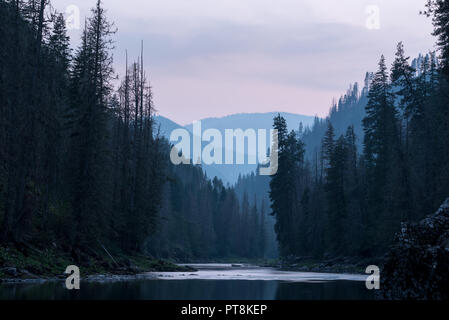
(439, 11)
(92, 73)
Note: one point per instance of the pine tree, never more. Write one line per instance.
(336, 199)
(403, 84)
(283, 191)
(262, 236)
(381, 144)
(59, 43)
(380, 121)
(327, 146)
(353, 195)
(439, 10)
(90, 88)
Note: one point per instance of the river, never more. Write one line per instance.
(211, 281)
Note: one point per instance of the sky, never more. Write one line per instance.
(211, 58)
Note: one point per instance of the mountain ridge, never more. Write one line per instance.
(230, 173)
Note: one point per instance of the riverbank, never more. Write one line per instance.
(334, 265)
(19, 262)
(27, 263)
(350, 265)
(215, 281)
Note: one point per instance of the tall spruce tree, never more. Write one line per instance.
(439, 11)
(283, 187)
(92, 73)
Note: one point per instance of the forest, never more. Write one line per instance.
(82, 165)
(337, 200)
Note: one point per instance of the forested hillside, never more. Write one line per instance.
(350, 202)
(205, 220)
(82, 167)
(349, 110)
(256, 188)
(85, 172)
(78, 166)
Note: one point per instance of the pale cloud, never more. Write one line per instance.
(186, 99)
(215, 57)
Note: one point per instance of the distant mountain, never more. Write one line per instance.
(254, 120)
(230, 173)
(165, 125)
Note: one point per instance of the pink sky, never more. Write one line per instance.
(213, 58)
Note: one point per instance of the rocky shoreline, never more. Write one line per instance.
(417, 264)
(108, 277)
(335, 265)
(25, 264)
(90, 278)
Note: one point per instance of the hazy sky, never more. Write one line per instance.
(210, 58)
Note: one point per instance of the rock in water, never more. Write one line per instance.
(417, 265)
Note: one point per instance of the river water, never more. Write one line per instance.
(211, 281)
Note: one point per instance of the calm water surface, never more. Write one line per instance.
(211, 281)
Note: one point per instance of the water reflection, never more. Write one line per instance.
(222, 282)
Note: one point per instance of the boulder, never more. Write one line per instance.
(417, 264)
